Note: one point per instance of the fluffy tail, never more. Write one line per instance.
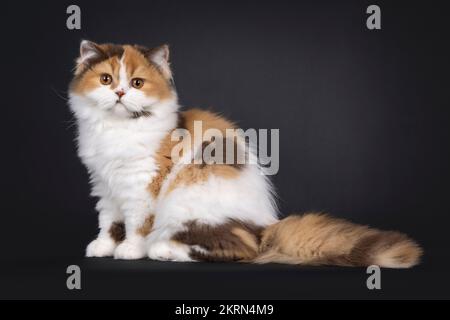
(317, 239)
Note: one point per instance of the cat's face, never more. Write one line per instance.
(122, 81)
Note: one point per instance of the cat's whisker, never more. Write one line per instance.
(72, 122)
(58, 94)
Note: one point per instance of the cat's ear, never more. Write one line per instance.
(160, 57)
(89, 51)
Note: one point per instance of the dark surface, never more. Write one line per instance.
(364, 134)
(105, 278)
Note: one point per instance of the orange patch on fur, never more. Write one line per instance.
(191, 173)
(209, 120)
(164, 163)
(138, 66)
(198, 173)
(90, 79)
(146, 228)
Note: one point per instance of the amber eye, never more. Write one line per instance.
(105, 79)
(137, 83)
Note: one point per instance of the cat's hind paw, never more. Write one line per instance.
(169, 251)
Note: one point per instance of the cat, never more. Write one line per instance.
(126, 107)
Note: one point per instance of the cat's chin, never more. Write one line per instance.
(120, 111)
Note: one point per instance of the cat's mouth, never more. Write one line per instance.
(134, 114)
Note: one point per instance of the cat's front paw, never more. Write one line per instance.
(130, 250)
(101, 247)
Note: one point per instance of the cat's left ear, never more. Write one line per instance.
(160, 57)
(89, 52)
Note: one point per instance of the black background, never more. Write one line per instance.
(364, 134)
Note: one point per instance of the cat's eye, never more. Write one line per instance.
(105, 79)
(137, 83)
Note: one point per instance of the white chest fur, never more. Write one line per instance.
(118, 156)
(120, 153)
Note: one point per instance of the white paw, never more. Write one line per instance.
(168, 251)
(101, 247)
(130, 250)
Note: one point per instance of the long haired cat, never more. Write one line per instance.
(151, 205)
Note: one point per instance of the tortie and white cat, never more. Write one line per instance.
(151, 205)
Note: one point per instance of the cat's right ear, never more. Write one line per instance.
(89, 51)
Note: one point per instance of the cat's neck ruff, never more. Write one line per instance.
(162, 116)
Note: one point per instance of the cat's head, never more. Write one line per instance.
(122, 81)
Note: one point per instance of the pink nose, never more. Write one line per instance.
(120, 93)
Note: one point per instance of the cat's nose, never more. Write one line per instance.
(120, 93)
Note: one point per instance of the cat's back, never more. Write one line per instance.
(208, 120)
